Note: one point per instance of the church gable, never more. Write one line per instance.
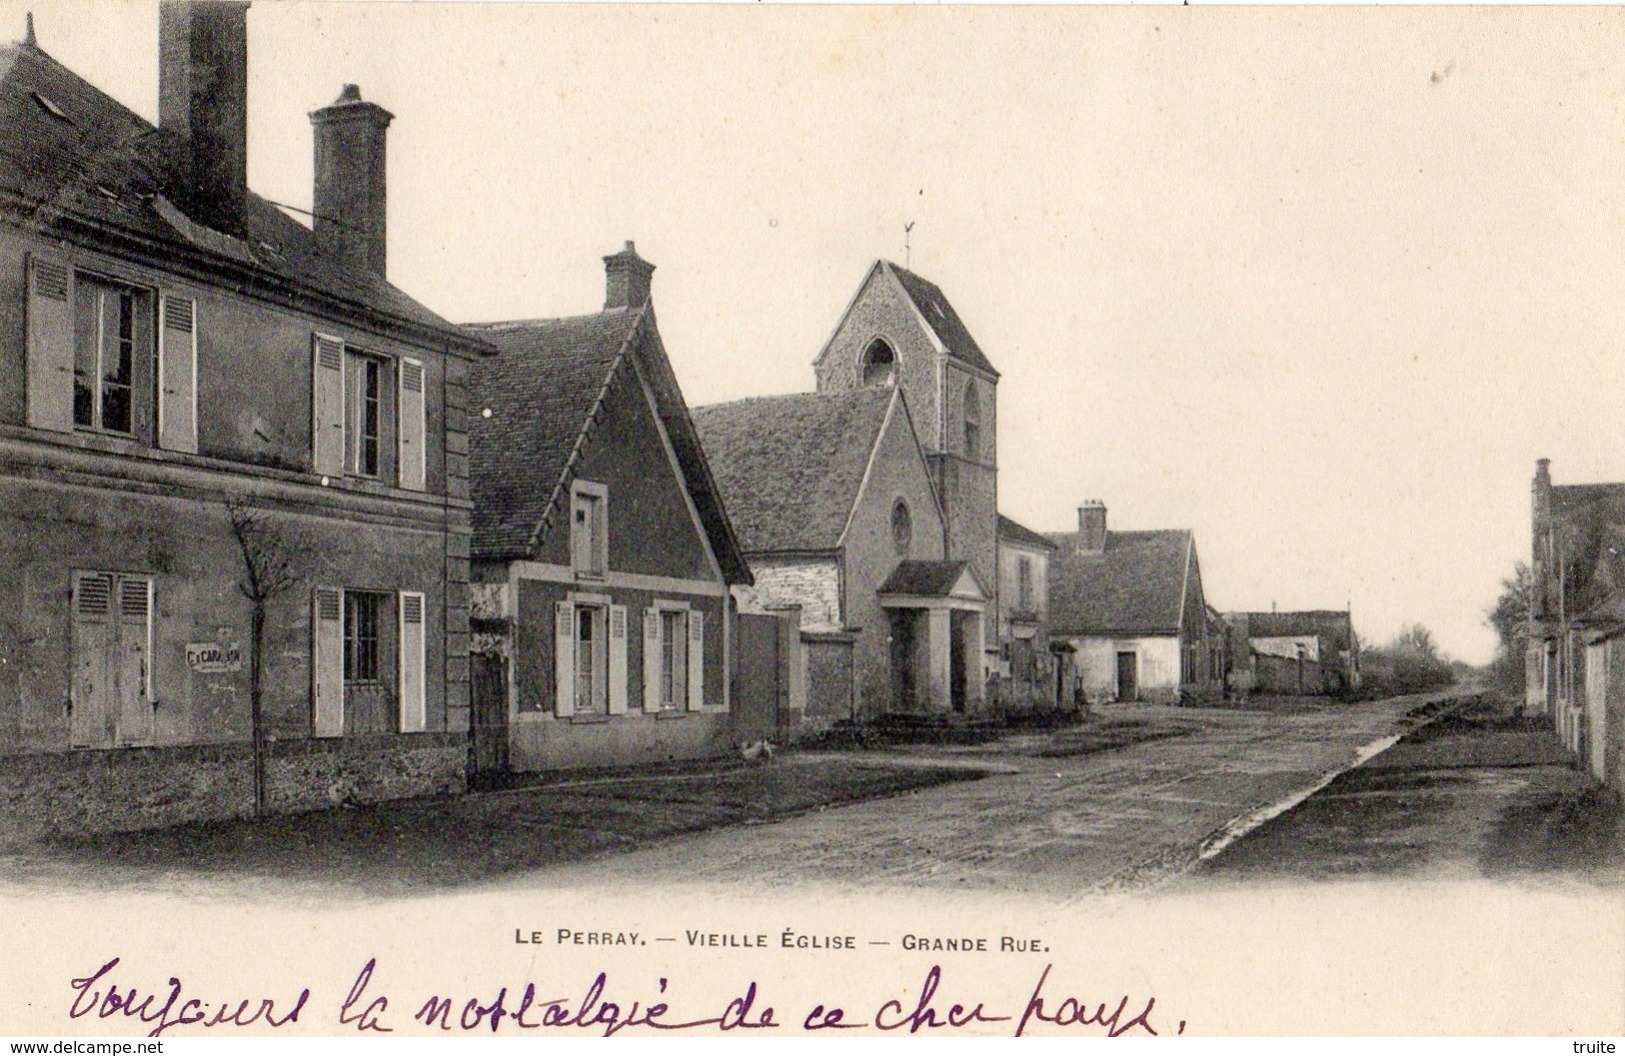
(881, 321)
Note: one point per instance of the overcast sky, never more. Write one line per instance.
(1320, 285)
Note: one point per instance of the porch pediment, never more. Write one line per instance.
(933, 585)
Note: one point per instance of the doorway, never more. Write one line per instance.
(1128, 680)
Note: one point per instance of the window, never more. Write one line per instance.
(673, 661)
(363, 635)
(973, 422)
(371, 410)
(590, 653)
(111, 693)
(902, 527)
(1024, 584)
(589, 656)
(367, 415)
(588, 537)
(879, 366)
(112, 344)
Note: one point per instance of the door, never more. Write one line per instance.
(957, 689)
(488, 699)
(112, 636)
(904, 694)
(1128, 680)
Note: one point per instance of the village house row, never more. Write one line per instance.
(280, 537)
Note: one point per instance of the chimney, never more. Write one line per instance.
(1540, 558)
(1092, 527)
(627, 278)
(203, 99)
(349, 198)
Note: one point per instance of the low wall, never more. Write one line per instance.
(138, 788)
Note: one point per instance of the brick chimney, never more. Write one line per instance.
(627, 279)
(1092, 527)
(203, 99)
(1541, 557)
(350, 195)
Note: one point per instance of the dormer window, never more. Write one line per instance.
(973, 422)
(879, 364)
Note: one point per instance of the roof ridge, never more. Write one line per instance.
(766, 397)
(520, 324)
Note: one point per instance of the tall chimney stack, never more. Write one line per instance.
(1092, 527)
(627, 279)
(350, 189)
(203, 99)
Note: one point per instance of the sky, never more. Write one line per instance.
(1319, 284)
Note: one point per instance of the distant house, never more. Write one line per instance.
(602, 556)
(1575, 663)
(1031, 677)
(833, 500)
(192, 376)
(1130, 605)
(1299, 653)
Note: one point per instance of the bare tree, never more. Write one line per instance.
(273, 558)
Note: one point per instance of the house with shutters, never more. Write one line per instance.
(199, 389)
(1131, 608)
(833, 500)
(1032, 675)
(602, 556)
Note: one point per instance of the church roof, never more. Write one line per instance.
(939, 314)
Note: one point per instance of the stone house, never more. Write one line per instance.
(603, 558)
(900, 330)
(1131, 607)
(1309, 653)
(1573, 671)
(835, 507)
(1032, 677)
(174, 343)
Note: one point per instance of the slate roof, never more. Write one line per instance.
(925, 579)
(1330, 624)
(790, 467)
(79, 165)
(1570, 499)
(940, 316)
(1135, 586)
(542, 388)
(1019, 533)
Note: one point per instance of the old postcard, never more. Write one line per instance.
(560, 521)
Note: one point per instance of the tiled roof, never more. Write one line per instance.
(942, 319)
(1330, 624)
(1569, 499)
(1020, 533)
(924, 579)
(541, 389)
(77, 164)
(790, 467)
(1136, 585)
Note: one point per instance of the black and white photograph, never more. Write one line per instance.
(565, 520)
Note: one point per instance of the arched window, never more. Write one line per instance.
(902, 527)
(879, 364)
(973, 421)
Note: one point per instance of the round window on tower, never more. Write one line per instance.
(902, 526)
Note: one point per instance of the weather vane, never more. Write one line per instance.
(907, 252)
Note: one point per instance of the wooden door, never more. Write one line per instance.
(1128, 676)
(488, 697)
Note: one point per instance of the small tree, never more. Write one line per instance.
(272, 559)
(1509, 617)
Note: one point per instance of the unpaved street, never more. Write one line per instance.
(1054, 823)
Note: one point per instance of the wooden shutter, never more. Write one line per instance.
(91, 724)
(50, 345)
(410, 416)
(327, 405)
(327, 662)
(617, 660)
(651, 659)
(696, 661)
(134, 660)
(564, 657)
(177, 373)
(413, 709)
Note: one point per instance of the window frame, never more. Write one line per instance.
(596, 692)
(866, 364)
(142, 301)
(673, 665)
(375, 601)
(374, 374)
(971, 413)
(596, 546)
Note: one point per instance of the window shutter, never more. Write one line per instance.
(413, 709)
(617, 659)
(651, 659)
(411, 424)
(91, 723)
(327, 662)
(50, 345)
(564, 657)
(696, 661)
(327, 405)
(135, 667)
(177, 373)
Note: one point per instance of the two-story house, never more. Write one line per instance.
(1032, 677)
(603, 559)
(233, 476)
